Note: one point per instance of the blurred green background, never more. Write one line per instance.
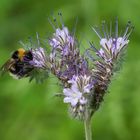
(30, 111)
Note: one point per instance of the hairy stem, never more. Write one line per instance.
(87, 125)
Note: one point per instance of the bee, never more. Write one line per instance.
(18, 65)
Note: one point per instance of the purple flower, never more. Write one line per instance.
(65, 56)
(39, 58)
(111, 48)
(73, 96)
(62, 40)
(110, 56)
(76, 94)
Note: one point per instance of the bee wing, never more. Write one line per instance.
(6, 66)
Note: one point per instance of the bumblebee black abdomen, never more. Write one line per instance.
(20, 69)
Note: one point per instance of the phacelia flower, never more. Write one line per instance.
(73, 96)
(79, 86)
(84, 84)
(85, 80)
(112, 48)
(78, 94)
(65, 56)
(109, 58)
(39, 58)
(61, 40)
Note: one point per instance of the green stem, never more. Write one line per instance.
(87, 125)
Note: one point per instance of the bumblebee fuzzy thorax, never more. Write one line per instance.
(21, 53)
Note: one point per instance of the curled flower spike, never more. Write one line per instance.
(110, 55)
(65, 56)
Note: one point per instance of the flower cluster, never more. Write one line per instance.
(84, 80)
(65, 56)
(78, 94)
(84, 85)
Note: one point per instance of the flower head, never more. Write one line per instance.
(111, 49)
(62, 40)
(39, 58)
(65, 56)
(78, 94)
(73, 96)
(109, 58)
(80, 86)
(112, 46)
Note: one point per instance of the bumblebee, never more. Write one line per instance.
(19, 64)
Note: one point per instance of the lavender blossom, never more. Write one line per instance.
(65, 56)
(78, 94)
(61, 40)
(74, 70)
(39, 58)
(73, 96)
(80, 85)
(110, 56)
(112, 48)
